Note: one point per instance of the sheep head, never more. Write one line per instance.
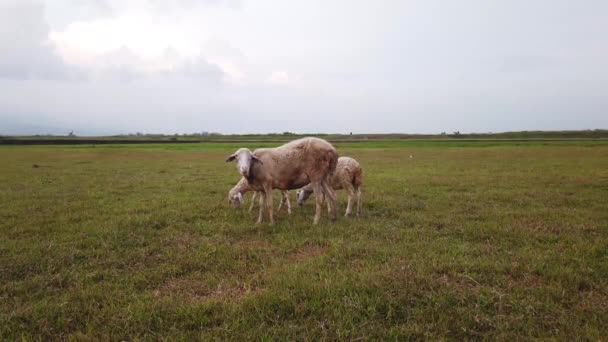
(235, 198)
(302, 195)
(244, 161)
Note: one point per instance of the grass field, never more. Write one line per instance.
(462, 241)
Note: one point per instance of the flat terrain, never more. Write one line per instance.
(463, 240)
(597, 134)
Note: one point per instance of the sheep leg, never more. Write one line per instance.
(324, 202)
(261, 210)
(286, 198)
(331, 198)
(351, 196)
(255, 193)
(358, 201)
(281, 202)
(269, 204)
(318, 190)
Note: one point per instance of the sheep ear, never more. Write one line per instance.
(231, 158)
(256, 159)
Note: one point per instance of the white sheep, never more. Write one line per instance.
(348, 176)
(235, 195)
(287, 167)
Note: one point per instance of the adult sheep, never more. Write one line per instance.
(290, 166)
(348, 176)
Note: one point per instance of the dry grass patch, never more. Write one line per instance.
(309, 251)
(192, 290)
(185, 241)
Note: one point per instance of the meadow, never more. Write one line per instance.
(465, 240)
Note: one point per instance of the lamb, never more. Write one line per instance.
(290, 166)
(348, 176)
(235, 196)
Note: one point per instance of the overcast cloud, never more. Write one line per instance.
(239, 66)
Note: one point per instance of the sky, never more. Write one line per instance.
(99, 67)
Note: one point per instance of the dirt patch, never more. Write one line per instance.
(196, 291)
(309, 251)
(536, 226)
(592, 300)
(459, 282)
(185, 241)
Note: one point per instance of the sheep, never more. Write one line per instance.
(290, 166)
(235, 196)
(348, 176)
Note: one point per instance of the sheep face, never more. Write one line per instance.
(235, 199)
(244, 160)
(302, 195)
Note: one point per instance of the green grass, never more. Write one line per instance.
(372, 144)
(463, 241)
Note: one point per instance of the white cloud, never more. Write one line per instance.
(279, 76)
(125, 65)
(305, 65)
(199, 68)
(63, 12)
(168, 5)
(142, 45)
(25, 51)
(141, 33)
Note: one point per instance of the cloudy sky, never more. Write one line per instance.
(237, 66)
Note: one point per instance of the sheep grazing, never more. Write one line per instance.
(348, 176)
(235, 195)
(290, 166)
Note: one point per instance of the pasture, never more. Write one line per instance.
(472, 240)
